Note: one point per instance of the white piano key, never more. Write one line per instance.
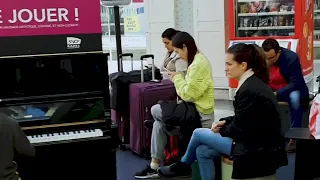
(52, 137)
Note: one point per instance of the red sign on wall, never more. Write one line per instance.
(49, 27)
(306, 40)
(37, 17)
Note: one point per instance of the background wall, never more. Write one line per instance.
(204, 19)
(226, 23)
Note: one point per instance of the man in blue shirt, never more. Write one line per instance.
(295, 92)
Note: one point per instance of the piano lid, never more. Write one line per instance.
(58, 115)
(50, 92)
(26, 77)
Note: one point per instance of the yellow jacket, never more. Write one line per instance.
(197, 85)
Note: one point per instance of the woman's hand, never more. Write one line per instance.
(216, 126)
(171, 74)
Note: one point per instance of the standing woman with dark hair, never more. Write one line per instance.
(172, 61)
(251, 138)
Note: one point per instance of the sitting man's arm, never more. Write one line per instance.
(295, 79)
(21, 143)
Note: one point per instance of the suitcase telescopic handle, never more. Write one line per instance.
(152, 66)
(126, 55)
(147, 56)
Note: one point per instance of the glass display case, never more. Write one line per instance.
(316, 33)
(317, 20)
(288, 21)
(264, 18)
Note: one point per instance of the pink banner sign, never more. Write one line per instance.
(42, 17)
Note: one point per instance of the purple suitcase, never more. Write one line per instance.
(142, 97)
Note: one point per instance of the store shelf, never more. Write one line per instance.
(246, 1)
(265, 28)
(316, 31)
(263, 18)
(316, 43)
(266, 14)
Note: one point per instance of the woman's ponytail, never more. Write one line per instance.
(259, 64)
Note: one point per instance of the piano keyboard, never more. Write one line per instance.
(51, 137)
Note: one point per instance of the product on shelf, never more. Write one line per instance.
(244, 8)
(265, 6)
(273, 18)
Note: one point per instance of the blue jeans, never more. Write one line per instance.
(296, 109)
(205, 146)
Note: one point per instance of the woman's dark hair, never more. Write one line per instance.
(182, 39)
(253, 56)
(169, 33)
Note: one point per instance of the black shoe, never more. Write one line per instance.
(147, 173)
(176, 170)
(148, 124)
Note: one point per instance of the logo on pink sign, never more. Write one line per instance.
(39, 17)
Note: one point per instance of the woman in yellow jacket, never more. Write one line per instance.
(195, 86)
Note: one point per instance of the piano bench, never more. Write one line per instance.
(226, 171)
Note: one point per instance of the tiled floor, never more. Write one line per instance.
(128, 164)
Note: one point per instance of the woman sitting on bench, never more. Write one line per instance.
(252, 137)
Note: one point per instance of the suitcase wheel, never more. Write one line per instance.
(123, 147)
(146, 157)
(136, 154)
(140, 155)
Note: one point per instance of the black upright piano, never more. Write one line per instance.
(62, 103)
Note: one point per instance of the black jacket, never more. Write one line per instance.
(14, 143)
(183, 115)
(120, 82)
(258, 146)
